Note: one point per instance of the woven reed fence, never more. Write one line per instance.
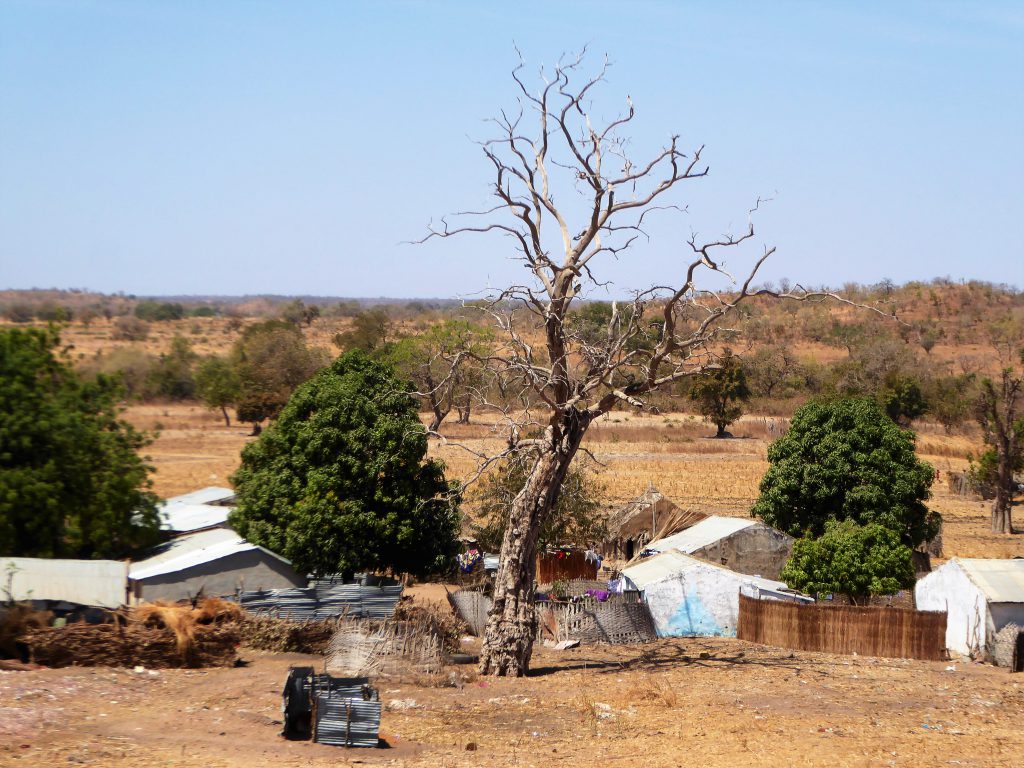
(867, 631)
(472, 607)
(623, 618)
(572, 565)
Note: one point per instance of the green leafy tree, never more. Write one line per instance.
(850, 559)
(71, 481)
(217, 385)
(443, 364)
(172, 376)
(846, 460)
(341, 481)
(903, 399)
(1000, 413)
(577, 517)
(720, 391)
(270, 360)
(369, 331)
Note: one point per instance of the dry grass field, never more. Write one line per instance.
(673, 451)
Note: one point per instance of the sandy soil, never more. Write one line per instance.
(714, 702)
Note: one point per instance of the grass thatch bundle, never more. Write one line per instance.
(151, 635)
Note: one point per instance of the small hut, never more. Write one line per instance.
(648, 517)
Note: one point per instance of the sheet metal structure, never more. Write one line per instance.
(102, 583)
(341, 712)
(196, 511)
(325, 600)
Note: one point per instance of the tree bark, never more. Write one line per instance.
(227, 419)
(464, 411)
(512, 622)
(1001, 522)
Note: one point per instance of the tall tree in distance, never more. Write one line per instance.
(1000, 412)
(720, 391)
(567, 196)
(270, 360)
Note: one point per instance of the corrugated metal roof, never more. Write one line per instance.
(194, 549)
(183, 518)
(1002, 581)
(714, 528)
(213, 494)
(86, 582)
(666, 565)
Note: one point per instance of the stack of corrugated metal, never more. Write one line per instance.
(341, 712)
(325, 600)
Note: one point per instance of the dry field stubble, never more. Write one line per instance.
(672, 451)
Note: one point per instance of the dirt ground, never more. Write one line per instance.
(711, 702)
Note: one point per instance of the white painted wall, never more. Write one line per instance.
(967, 621)
(699, 600)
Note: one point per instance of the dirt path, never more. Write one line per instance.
(675, 702)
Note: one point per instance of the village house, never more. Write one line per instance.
(689, 597)
(648, 517)
(980, 597)
(743, 545)
(216, 562)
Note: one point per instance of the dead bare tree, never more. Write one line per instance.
(556, 380)
(1000, 413)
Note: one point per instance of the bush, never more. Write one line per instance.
(129, 328)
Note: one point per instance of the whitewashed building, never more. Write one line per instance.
(980, 597)
(689, 597)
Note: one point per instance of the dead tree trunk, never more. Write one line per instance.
(512, 622)
(1003, 504)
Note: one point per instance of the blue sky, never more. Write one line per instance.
(293, 147)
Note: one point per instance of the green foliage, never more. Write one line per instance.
(71, 481)
(270, 360)
(341, 482)
(159, 311)
(442, 362)
(577, 518)
(171, 377)
(851, 559)
(719, 392)
(903, 400)
(949, 399)
(846, 460)
(217, 385)
(369, 332)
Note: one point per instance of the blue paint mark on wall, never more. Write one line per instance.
(692, 619)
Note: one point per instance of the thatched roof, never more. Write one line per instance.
(652, 513)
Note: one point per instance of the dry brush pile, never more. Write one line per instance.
(157, 635)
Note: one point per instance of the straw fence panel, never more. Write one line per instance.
(867, 631)
(573, 565)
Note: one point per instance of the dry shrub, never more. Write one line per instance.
(269, 633)
(433, 618)
(656, 690)
(152, 635)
